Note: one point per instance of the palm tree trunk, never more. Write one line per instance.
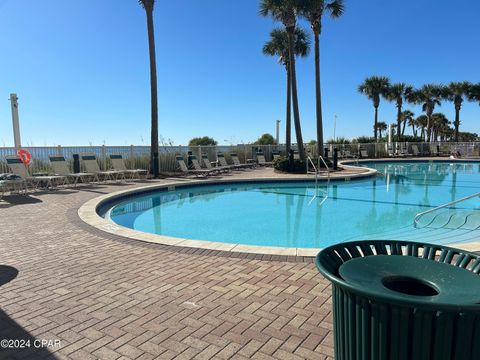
(403, 127)
(457, 122)
(375, 124)
(288, 122)
(414, 131)
(429, 129)
(399, 121)
(318, 94)
(155, 169)
(296, 112)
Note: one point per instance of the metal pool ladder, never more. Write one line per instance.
(317, 170)
(419, 215)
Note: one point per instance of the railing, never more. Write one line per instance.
(139, 156)
(419, 215)
(309, 159)
(326, 166)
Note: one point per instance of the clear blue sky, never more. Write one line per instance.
(81, 70)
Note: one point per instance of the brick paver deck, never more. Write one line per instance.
(104, 297)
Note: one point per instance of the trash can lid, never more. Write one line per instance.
(412, 279)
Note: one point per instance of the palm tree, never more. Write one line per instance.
(413, 122)
(313, 11)
(421, 122)
(407, 117)
(474, 93)
(398, 93)
(155, 168)
(428, 96)
(374, 87)
(285, 11)
(456, 92)
(381, 126)
(440, 126)
(278, 46)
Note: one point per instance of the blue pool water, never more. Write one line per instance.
(299, 215)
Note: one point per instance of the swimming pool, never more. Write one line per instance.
(299, 215)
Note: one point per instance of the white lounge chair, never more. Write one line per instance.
(12, 183)
(118, 164)
(18, 168)
(363, 154)
(60, 167)
(91, 165)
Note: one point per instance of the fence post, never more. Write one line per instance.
(104, 156)
(133, 161)
(59, 149)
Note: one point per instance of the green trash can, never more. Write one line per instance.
(398, 300)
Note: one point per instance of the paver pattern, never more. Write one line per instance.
(104, 297)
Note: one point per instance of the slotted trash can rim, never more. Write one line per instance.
(330, 260)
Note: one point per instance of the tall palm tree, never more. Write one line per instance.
(398, 93)
(285, 11)
(374, 87)
(407, 117)
(382, 126)
(148, 5)
(278, 46)
(313, 11)
(428, 96)
(456, 92)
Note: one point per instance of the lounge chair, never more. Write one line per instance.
(208, 165)
(198, 167)
(236, 162)
(118, 164)
(91, 165)
(60, 167)
(224, 164)
(18, 168)
(261, 160)
(415, 150)
(12, 183)
(363, 154)
(183, 167)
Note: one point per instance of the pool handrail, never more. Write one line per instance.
(420, 214)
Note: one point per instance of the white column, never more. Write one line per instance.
(15, 121)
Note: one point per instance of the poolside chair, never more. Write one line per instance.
(224, 164)
(261, 160)
(198, 167)
(12, 183)
(363, 154)
(118, 164)
(184, 169)
(208, 165)
(236, 162)
(18, 168)
(60, 167)
(91, 165)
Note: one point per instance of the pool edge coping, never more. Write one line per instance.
(89, 215)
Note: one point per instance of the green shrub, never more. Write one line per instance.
(282, 164)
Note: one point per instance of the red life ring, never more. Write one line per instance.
(25, 156)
